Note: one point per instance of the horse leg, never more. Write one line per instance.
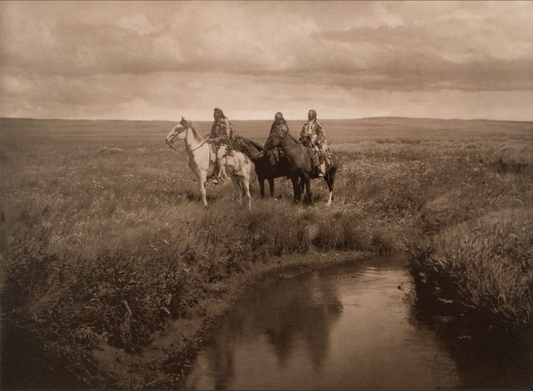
(330, 180)
(245, 183)
(202, 178)
(236, 183)
(307, 183)
(261, 186)
(271, 185)
(296, 188)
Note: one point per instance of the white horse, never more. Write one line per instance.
(202, 160)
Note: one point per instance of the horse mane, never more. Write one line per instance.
(292, 137)
(195, 132)
(255, 144)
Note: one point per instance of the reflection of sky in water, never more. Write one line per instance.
(348, 327)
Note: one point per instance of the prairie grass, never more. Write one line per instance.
(104, 239)
(481, 269)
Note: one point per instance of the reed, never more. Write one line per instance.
(480, 272)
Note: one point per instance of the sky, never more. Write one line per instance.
(349, 59)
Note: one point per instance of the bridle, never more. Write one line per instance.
(204, 140)
(290, 146)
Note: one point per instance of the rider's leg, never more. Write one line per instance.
(321, 167)
(218, 165)
(325, 151)
(219, 171)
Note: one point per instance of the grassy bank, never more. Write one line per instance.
(480, 272)
(104, 241)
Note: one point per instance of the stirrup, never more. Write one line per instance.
(215, 179)
(218, 179)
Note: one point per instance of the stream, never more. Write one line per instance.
(345, 327)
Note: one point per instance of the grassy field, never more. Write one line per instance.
(104, 240)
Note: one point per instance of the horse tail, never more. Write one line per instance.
(336, 160)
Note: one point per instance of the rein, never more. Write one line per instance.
(170, 145)
(256, 155)
(283, 147)
(293, 145)
(204, 140)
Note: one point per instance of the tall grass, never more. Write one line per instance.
(481, 270)
(104, 239)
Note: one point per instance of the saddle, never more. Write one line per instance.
(214, 148)
(275, 155)
(317, 157)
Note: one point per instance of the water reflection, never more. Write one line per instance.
(483, 361)
(341, 328)
(289, 320)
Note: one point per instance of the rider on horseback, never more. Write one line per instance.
(221, 134)
(315, 133)
(279, 126)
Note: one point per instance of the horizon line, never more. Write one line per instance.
(260, 119)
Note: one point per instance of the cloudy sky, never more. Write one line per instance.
(161, 60)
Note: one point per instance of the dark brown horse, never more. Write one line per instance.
(301, 166)
(267, 165)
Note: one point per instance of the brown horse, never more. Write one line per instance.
(267, 165)
(301, 166)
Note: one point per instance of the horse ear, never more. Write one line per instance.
(183, 122)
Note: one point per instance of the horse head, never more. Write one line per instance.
(250, 148)
(279, 138)
(178, 131)
(273, 141)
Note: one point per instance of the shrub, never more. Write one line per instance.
(512, 160)
(341, 231)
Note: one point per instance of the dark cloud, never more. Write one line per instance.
(135, 56)
(442, 55)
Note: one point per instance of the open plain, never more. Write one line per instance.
(105, 243)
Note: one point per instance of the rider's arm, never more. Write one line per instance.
(220, 132)
(304, 133)
(321, 132)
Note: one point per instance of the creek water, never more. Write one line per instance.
(346, 327)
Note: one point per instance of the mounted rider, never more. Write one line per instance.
(314, 133)
(279, 127)
(221, 134)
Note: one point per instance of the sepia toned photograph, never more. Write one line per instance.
(266, 195)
